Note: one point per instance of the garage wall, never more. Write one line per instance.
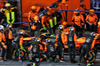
(26, 6)
(72, 4)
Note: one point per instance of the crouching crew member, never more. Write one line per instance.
(87, 47)
(50, 50)
(17, 44)
(35, 50)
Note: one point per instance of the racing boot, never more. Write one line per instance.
(57, 59)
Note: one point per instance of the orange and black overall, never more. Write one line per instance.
(9, 38)
(71, 39)
(36, 49)
(30, 19)
(78, 21)
(60, 47)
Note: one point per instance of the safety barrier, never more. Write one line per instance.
(19, 22)
(60, 10)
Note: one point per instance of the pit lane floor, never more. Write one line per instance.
(44, 63)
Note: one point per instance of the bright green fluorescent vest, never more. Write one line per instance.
(12, 18)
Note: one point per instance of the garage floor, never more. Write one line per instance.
(65, 63)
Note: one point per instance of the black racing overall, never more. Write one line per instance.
(71, 45)
(60, 49)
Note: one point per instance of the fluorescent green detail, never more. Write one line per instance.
(12, 17)
(44, 28)
(34, 64)
(51, 23)
(21, 47)
(52, 35)
(55, 20)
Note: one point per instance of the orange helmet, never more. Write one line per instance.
(33, 27)
(75, 12)
(48, 12)
(23, 31)
(63, 1)
(33, 7)
(91, 10)
(7, 5)
(64, 23)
